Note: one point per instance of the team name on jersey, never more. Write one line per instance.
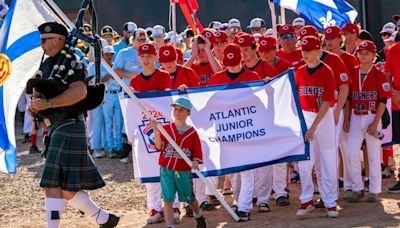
(203, 79)
(312, 91)
(364, 95)
(170, 152)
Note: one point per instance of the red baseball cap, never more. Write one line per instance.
(331, 32)
(208, 33)
(309, 43)
(308, 30)
(266, 43)
(221, 36)
(351, 28)
(167, 53)
(147, 49)
(232, 55)
(367, 45)
(180, 54)
(286, 29)
(245, 40)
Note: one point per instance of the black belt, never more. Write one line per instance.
(57, 117)
(113, 91)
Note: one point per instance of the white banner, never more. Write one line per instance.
(241, 126)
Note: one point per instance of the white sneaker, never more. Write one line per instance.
(124, 160)
(332, 212)
(305, 209)
(155, 217)
(98, 154)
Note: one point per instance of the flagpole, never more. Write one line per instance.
(173, 6)
(127, 90)
(283, 15)
(273, 17)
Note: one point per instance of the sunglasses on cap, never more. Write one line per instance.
(234, 29)
(286, 36)
(385, 34)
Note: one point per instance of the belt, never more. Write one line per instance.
(363, 112)
(57, 117)
(113, 91)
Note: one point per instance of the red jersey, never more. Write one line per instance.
(263, 69)
(225, 77)
(184, 75)
(281, 65)
(295, 57)
(203, 72)
(349, 60)
(189, 141)
(316, 88)
(365, 94)
(392, 66)
(339, 69)
(159, 81)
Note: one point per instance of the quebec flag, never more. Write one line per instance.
(20, 56)
(321, 13)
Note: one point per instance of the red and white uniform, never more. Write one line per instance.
(313, 90)
(189, 141)
(184, 75)
(242, 182)
(391, 66)
(263, 69)
(281, 65)
(365, 95)
(160, 80)
(203, 72)
(349, 60)
(295, 58)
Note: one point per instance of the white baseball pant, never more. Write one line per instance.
(279, 180)
(325, 146)
(243, 189)
(262, 184)
(200, 189)
(153, 193)
(357, 133)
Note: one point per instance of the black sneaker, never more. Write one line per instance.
(201, 222)
(206, 206)
(27, 138)
(254, 200)
(282, 201)
(394, 189)
(189, 211)
(319, 203)
(111, 223)
(213, 200)
(34, 150)
(243, 216)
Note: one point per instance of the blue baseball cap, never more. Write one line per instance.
(183, 102)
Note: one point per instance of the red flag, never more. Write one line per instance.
(189, 9)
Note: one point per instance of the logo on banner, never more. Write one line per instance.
(147, 130)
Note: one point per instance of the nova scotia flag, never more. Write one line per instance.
(321, 13)
(20, 56)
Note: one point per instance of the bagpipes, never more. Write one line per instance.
(57, 82)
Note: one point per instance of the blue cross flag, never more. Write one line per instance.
(321, 13)
(20, 55)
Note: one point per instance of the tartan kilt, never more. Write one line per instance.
(68, 164)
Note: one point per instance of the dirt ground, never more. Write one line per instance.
(22, 202)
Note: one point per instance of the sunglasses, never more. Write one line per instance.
(385, 34)
(43, 40)
(234, 29)
(286, 36)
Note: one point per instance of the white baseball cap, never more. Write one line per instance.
(130, 26)
(234, 23)
(158, 31)
(256, 23)
(269, 32)
(108, 50)
(215, 25)
(392, 37)
(299, 22)
(389, 28)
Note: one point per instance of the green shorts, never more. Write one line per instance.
(176, 181)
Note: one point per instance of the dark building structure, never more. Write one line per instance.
(373, 14)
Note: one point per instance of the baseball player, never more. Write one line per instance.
(316, 88)
(267, 50)
(152, 79)
(369, 93)
(251, 61)
(350, 33)
(298, 23)
(289, 50)
(243, 188)
(206, 64)
(220, 44)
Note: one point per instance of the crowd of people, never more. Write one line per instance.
(344, 84)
